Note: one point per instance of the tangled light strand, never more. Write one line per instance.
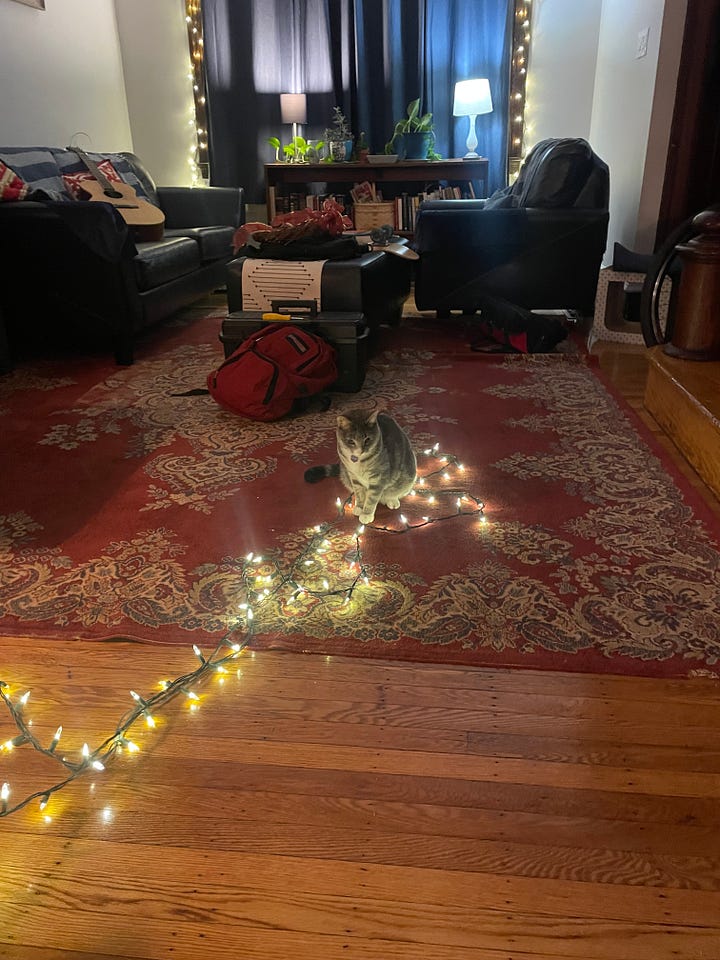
(257, 588)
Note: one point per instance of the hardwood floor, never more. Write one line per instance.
(324, 807)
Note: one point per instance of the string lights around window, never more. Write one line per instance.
(518, 85)
(198, 159)
(437, 497)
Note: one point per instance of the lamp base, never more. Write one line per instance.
(471, 156)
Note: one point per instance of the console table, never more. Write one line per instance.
(462, 172)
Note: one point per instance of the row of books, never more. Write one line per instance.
(406, 204)
(288, 203)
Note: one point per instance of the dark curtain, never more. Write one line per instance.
(369, 57)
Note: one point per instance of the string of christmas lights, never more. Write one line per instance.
(518, 84)
(260, 579)
(198, 158)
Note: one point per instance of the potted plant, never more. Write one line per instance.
(361, 148)
(297, 151)
(413, 136)
(338, 137)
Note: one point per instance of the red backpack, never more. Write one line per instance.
(271, 369)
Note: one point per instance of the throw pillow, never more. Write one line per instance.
(70, 163)
(74, 181)
(11, 186)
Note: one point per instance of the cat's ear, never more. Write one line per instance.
(372, 417)
(343, 422)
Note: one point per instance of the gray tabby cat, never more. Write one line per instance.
(377, 463)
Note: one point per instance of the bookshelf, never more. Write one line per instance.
(406, 181)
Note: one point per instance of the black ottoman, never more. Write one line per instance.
(375, 284)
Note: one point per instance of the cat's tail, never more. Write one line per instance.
(314, 474)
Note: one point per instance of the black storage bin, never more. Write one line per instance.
(375, 284)
(348, 333)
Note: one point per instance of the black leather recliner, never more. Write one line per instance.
(537, 244)
(77, 267)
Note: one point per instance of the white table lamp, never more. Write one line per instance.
(293, 109)
(471, 98)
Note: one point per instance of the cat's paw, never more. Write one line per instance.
(356, 510)
(392, 504)
(366, 517)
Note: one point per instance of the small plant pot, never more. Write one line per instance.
(340, 150)
(415, 146)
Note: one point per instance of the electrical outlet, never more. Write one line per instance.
(642, 43)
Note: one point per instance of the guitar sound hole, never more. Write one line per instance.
(113, 194)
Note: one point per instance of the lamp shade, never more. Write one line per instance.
(293, 107)
(472, 97)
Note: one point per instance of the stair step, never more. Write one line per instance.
(684, 398)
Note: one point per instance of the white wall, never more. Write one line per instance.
(660, 123)
(156, 61)
(60, 73)
(622, 107)
(561, 75)
(627, 117)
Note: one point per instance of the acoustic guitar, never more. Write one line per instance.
(137, 212)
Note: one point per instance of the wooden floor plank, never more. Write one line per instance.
(59, 662)
(38, 884)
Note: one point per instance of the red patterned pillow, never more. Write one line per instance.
(11, 186)
(74, 181)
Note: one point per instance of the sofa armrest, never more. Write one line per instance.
(455, 224)
(202, 206)
(96, 228)
(533, 257)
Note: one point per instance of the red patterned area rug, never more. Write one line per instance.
(130, 512)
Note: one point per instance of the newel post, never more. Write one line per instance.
(696, 330)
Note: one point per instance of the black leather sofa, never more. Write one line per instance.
(537, 244)
(75, 266)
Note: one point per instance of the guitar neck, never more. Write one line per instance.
(93, 168)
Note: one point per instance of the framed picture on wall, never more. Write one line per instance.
(38, 4)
